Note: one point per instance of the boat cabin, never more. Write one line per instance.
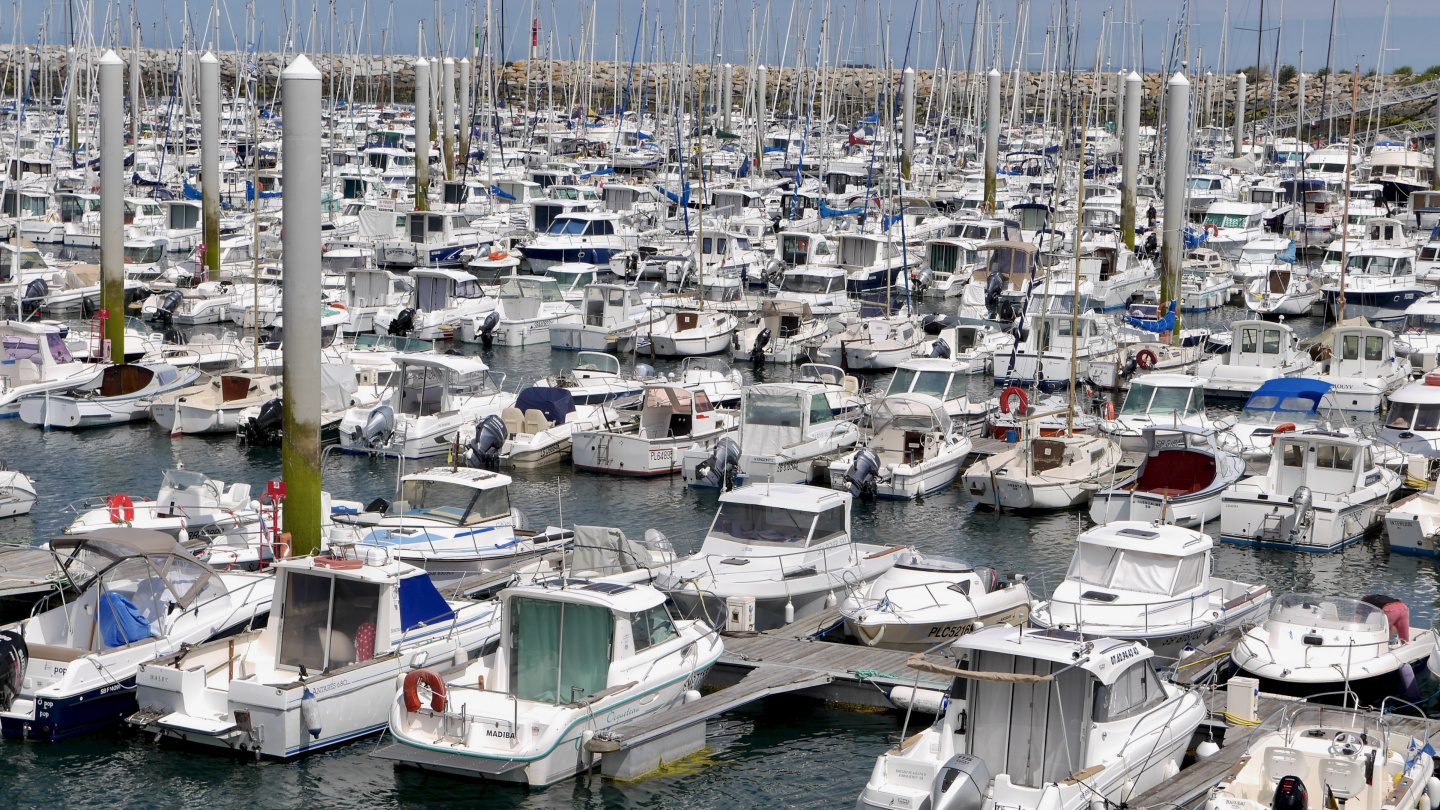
(907, 428)
(773, 519)
(668, 411)
(429, 383)
(780, 415)
(933, 377)
(461, 496)
(1360, 351)
(1261, 344)
(1170, 395)
(609, 304)
(436, 287)
(1325, 462)
(1134, 561)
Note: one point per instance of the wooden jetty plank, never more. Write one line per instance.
(26, 571)
(1207, 657)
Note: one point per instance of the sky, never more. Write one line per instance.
(860, 31)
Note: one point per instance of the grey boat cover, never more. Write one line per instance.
(606, 550)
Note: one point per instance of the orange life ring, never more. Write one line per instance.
(1212, 229)
(433, 680)
(1285, 428)
(497, 255)
(1142, 361)
(122, 509)
(1017, 391)
(1110, 412)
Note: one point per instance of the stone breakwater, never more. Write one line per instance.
(374, 77)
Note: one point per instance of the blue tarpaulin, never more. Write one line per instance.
(597, 172)
(826, 211)
(1289, 394)
(890, 220)
(1193, 239)
(683, 199)
(555, 403)
(421, 603)
(1165, 324)
(264, 195)
(120, 621)
(744, 167)
(495, 190)
(1288, 254)
(192, 193)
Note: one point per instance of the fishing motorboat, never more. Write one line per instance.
(1158, 400)
(1044, 472)
(324, 673)
(34, 359)
(1230, 226)
(1259, 351)
(1360, 365)
(1037, 719)
(1314, 644)
(1379, 283)
(213, 405)
(1284, 288)
(434, 399)
(1412, 526)
(145, 596)
(536, 431)
(1048, 354)
(782, 332)
(576, 659)
(1413, 422)
(1179, 481)
(1323, 491)
(1257, 257)
(580, 236)
(714, 378)
(948, 381)
(1141, 581)
(1344, 755)
(527, 307)
(688, 333)
(1202, 287)
(611, 314)
(444, 298)
(785, 429)
(672, 419)
(17, 492)
(777, 553)
(122, 393)
(871, 344)
(188, 504)
(909, 448)
(926, 601)
(448, 521)
(595, 379)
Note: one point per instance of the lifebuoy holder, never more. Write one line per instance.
(1285, 428)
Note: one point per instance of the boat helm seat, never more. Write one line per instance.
(238, 495)
(514, 420)
(535, 421)
(1281, 762)
(1344, 778)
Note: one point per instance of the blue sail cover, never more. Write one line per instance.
(826, 211)
(1288, 254)
(683, 199)
(421, 603)
(1165, 324)
(495, 190)
(192, 193)
(598, 172)
(744, 168)
(264, 195)
(1288, 394)
(1193, 239)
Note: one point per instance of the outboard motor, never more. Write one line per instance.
(490, 436)
(863, 473)
(994, 285)
(1290, 794)
(267, 428)
(377, 428)
(165, 310)
(66, 254)
(923, 280)
(720, 468)
(404, 322)
(1304, 509)
(33, 297)
(757, 352)
(14, 657)
(961, 784)
(487, 327)
(379, 505)
(644, 371)
(940, 349)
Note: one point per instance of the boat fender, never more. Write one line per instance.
(433, 681)
(122, 509)
(310, 713)
(692, 695)
(1432, 791)
(789, 612)
(830, 600)
(1014, 391)
(1424, 803)
(1408, 687)
(1171, 769)
(925, 701)
(1146, 359)
(183, 536)
(1206, 750)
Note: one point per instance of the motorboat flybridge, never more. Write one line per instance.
(926, 601)
(1139, 581)
(780, 552)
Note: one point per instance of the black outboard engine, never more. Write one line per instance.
(66, 254)
(378, 505)
(863, 472)
(487, 327)
(720, 468)
(165, 310)
(403, 323)
(1290, 794)
(757, 352)
(961, 784)
(994, 285)
(940, 349)
(14, 657)
(377, 428)
(33, 298)
(267, 427)
(484, 451)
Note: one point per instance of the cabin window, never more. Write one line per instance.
(1335, 457)
(1272, 341)
(820, 409)
(1374, 348)
(1248, 340)
(1412, 416)
(651, 627)
(1192, 573)
(1351, 347)
(1294, 455)
(1124, 570)
(776, 411)
(327, 622)
(562, 650)
(756, 525)
(1137, 690)
(830, 523)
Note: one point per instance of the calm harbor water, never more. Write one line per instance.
(784, 752)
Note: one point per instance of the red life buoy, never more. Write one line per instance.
(1285, 428)
(432, 679)
(497, 255)
(122, 509)
(1017, 391)
(1212, 229)
(1146, 359)
(1110, 412)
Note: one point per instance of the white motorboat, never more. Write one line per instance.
(1379, 283)
(672, 420)
(449, 520)
(527, 307)
(1139, 581)
(1313, 644)
(782, 332)
(17, 492)
(575, 659)
(1044, 472)
(871, 344)
(927, 601)
(1284, 289)
(688, 333)
(596, 378)
(1039, 719)
(1231, 226)
(348, 630)
(1323, 491)
(537, 430)
(1049, 352)
(1259, 351)
(785, 429)
(1413, 422)
(909, 448)
(948, 381)
(1276, 407)
(1158, 400)
(1344, 756)
(34, 359)
(1257, 257)
(122, 393)
(444, 299)
(214, 405)
(187, 504)
(1360, 364)
(1180, 480)
(145, 597)
(715, 378)
(774, 554)
(1412, 526)
(434, 399)
(611, 314)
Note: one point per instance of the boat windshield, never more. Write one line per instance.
(1413, 416)
(1152, 399)
(1328, 612)
(451, 503)
(1427, 323)
(185, 480)
(934, 383)
(756, 525)
(805, 284)
(1142, 571)
(327, 622)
